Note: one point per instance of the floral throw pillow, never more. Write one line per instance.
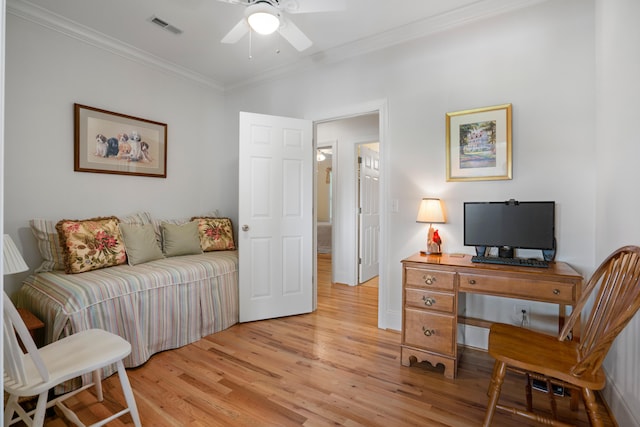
(216, 234)
(91, 244)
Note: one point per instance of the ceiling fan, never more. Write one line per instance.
(268, 16)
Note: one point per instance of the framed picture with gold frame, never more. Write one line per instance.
(479, 144)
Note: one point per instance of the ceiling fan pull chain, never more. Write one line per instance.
(250, 38)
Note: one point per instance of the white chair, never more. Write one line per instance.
(37, 371)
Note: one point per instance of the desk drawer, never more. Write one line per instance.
(430, 331)
(429, 300)
(539, 290)
(431, 279)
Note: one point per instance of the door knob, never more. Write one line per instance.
(245, 227)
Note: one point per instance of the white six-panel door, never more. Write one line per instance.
(275, 217)
(369, 218)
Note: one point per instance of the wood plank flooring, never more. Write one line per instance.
(331, 367)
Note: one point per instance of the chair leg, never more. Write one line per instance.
(13, 408)
(41, 409)
(499, 371)
(493, 374)
(528, 393)
(97, 383)
(10, 409)
(552, 400)
(128, 394)
(591, 406)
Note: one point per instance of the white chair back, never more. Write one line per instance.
(26, 372)
(14, 357)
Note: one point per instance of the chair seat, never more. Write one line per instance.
(69, 358)
(538, 352)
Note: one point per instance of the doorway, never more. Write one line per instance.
(345, 136)
(375, 114)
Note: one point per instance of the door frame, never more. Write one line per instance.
(385, 317)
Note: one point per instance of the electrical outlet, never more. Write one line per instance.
(521, 315)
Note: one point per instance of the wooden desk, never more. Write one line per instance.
(433, 288)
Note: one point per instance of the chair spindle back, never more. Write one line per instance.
(13, 356)
(617, 282)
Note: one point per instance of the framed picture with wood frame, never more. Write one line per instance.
(114, 143)
(479, 144)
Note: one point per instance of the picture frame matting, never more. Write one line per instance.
(114, 143)
(478, 144)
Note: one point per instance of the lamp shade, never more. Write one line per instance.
(431, 211)
(263, 18)
(12, 261)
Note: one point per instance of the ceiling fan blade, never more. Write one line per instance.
(237, 32)
(293, 35)
(312, 6)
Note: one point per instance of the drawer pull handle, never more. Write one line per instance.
(472, 281)
(428, 332)
(556, 291)
(429, 280)
(428, 301)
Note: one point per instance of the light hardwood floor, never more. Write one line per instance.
(331, 367)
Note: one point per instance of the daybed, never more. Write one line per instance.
(156, 305)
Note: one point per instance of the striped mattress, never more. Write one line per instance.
(156, 306)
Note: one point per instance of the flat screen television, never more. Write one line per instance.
(510, 225)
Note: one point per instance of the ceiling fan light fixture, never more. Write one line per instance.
(263, 18)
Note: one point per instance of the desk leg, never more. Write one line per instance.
(562, 313)
(562, 316)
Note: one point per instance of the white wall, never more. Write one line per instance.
(541, 60)
(46, 72)
(618, 204)
(2, 43)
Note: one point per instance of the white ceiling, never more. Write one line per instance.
(364, 26)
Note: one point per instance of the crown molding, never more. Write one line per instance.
(477, 11)
(474, 12)
(37, 15)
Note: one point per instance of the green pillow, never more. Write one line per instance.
(180, 239)
(140, 243)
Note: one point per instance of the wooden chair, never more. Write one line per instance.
(571, 364)
(37, 371)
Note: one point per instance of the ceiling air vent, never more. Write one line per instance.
(165, 25)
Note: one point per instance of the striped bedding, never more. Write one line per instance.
(156, 306)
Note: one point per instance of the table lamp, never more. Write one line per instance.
(12, 261)
(432, 211)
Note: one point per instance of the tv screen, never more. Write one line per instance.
(525, 225)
